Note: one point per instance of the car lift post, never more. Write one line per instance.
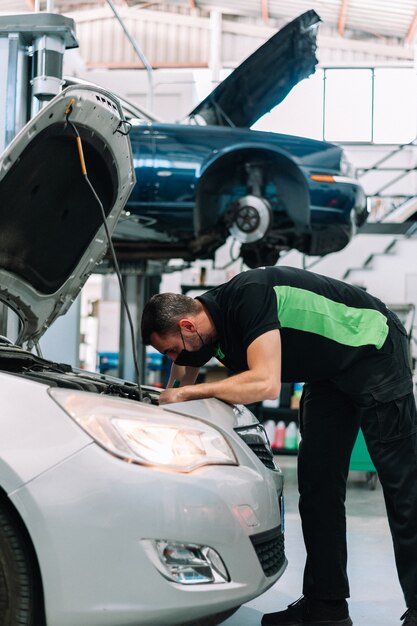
(32, 47)
(141, 280)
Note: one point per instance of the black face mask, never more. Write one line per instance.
(198, 358)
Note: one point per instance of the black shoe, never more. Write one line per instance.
(409, 617)
(312, 613)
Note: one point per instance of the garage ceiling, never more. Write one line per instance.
(375, 18)
(354, 19)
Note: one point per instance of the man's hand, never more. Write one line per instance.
(172, 395)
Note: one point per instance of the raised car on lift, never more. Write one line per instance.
(211, 176)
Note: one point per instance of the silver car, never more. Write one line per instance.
(114, 511)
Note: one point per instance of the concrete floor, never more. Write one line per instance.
(376, 597)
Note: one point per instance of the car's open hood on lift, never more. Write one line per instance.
(51, 225)
(265, 78)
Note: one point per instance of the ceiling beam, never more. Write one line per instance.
(146, 5)
(342, 17)
(409, 38)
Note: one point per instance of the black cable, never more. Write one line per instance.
(111, 247)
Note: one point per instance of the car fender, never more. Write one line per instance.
(295, 191)
(22, 429)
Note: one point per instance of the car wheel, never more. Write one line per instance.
(257, 255)
(19, 594)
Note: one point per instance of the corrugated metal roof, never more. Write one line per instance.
(372, 18)
(168, 40)
(174, 40)
(175, 35)
(391, 18)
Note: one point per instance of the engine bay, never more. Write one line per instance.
(15, 360)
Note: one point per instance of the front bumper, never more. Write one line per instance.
(87, 518)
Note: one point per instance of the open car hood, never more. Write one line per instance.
(51, 226)
(265, 78)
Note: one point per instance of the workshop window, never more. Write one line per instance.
(348, 105)
(395, 105)
(371, 105)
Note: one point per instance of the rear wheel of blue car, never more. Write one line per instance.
(20, 593)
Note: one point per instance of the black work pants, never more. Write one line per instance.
(329, 421)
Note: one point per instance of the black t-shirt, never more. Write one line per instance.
(326, 326)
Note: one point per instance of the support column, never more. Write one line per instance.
(215, 45)
(139, 287)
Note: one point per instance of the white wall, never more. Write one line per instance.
(175, 91)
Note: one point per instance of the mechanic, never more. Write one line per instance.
(284, 324)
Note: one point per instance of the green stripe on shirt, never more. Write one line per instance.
(305, 310)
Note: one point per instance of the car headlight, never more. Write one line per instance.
(144, 434)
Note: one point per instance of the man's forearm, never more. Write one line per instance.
(241, 388)
(261, 381)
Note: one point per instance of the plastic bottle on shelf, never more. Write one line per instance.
(269, 426)
(296, 395)
(279, 436)
(291, 435)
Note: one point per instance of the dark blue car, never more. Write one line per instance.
(210, 177)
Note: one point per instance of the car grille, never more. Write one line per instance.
(269, 547)
(256, 439)
(263, 455)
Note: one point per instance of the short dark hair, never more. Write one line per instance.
(162, 313)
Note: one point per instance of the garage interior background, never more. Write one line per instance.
(363, 96)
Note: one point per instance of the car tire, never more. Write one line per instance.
(257, 255)
(19, 589)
